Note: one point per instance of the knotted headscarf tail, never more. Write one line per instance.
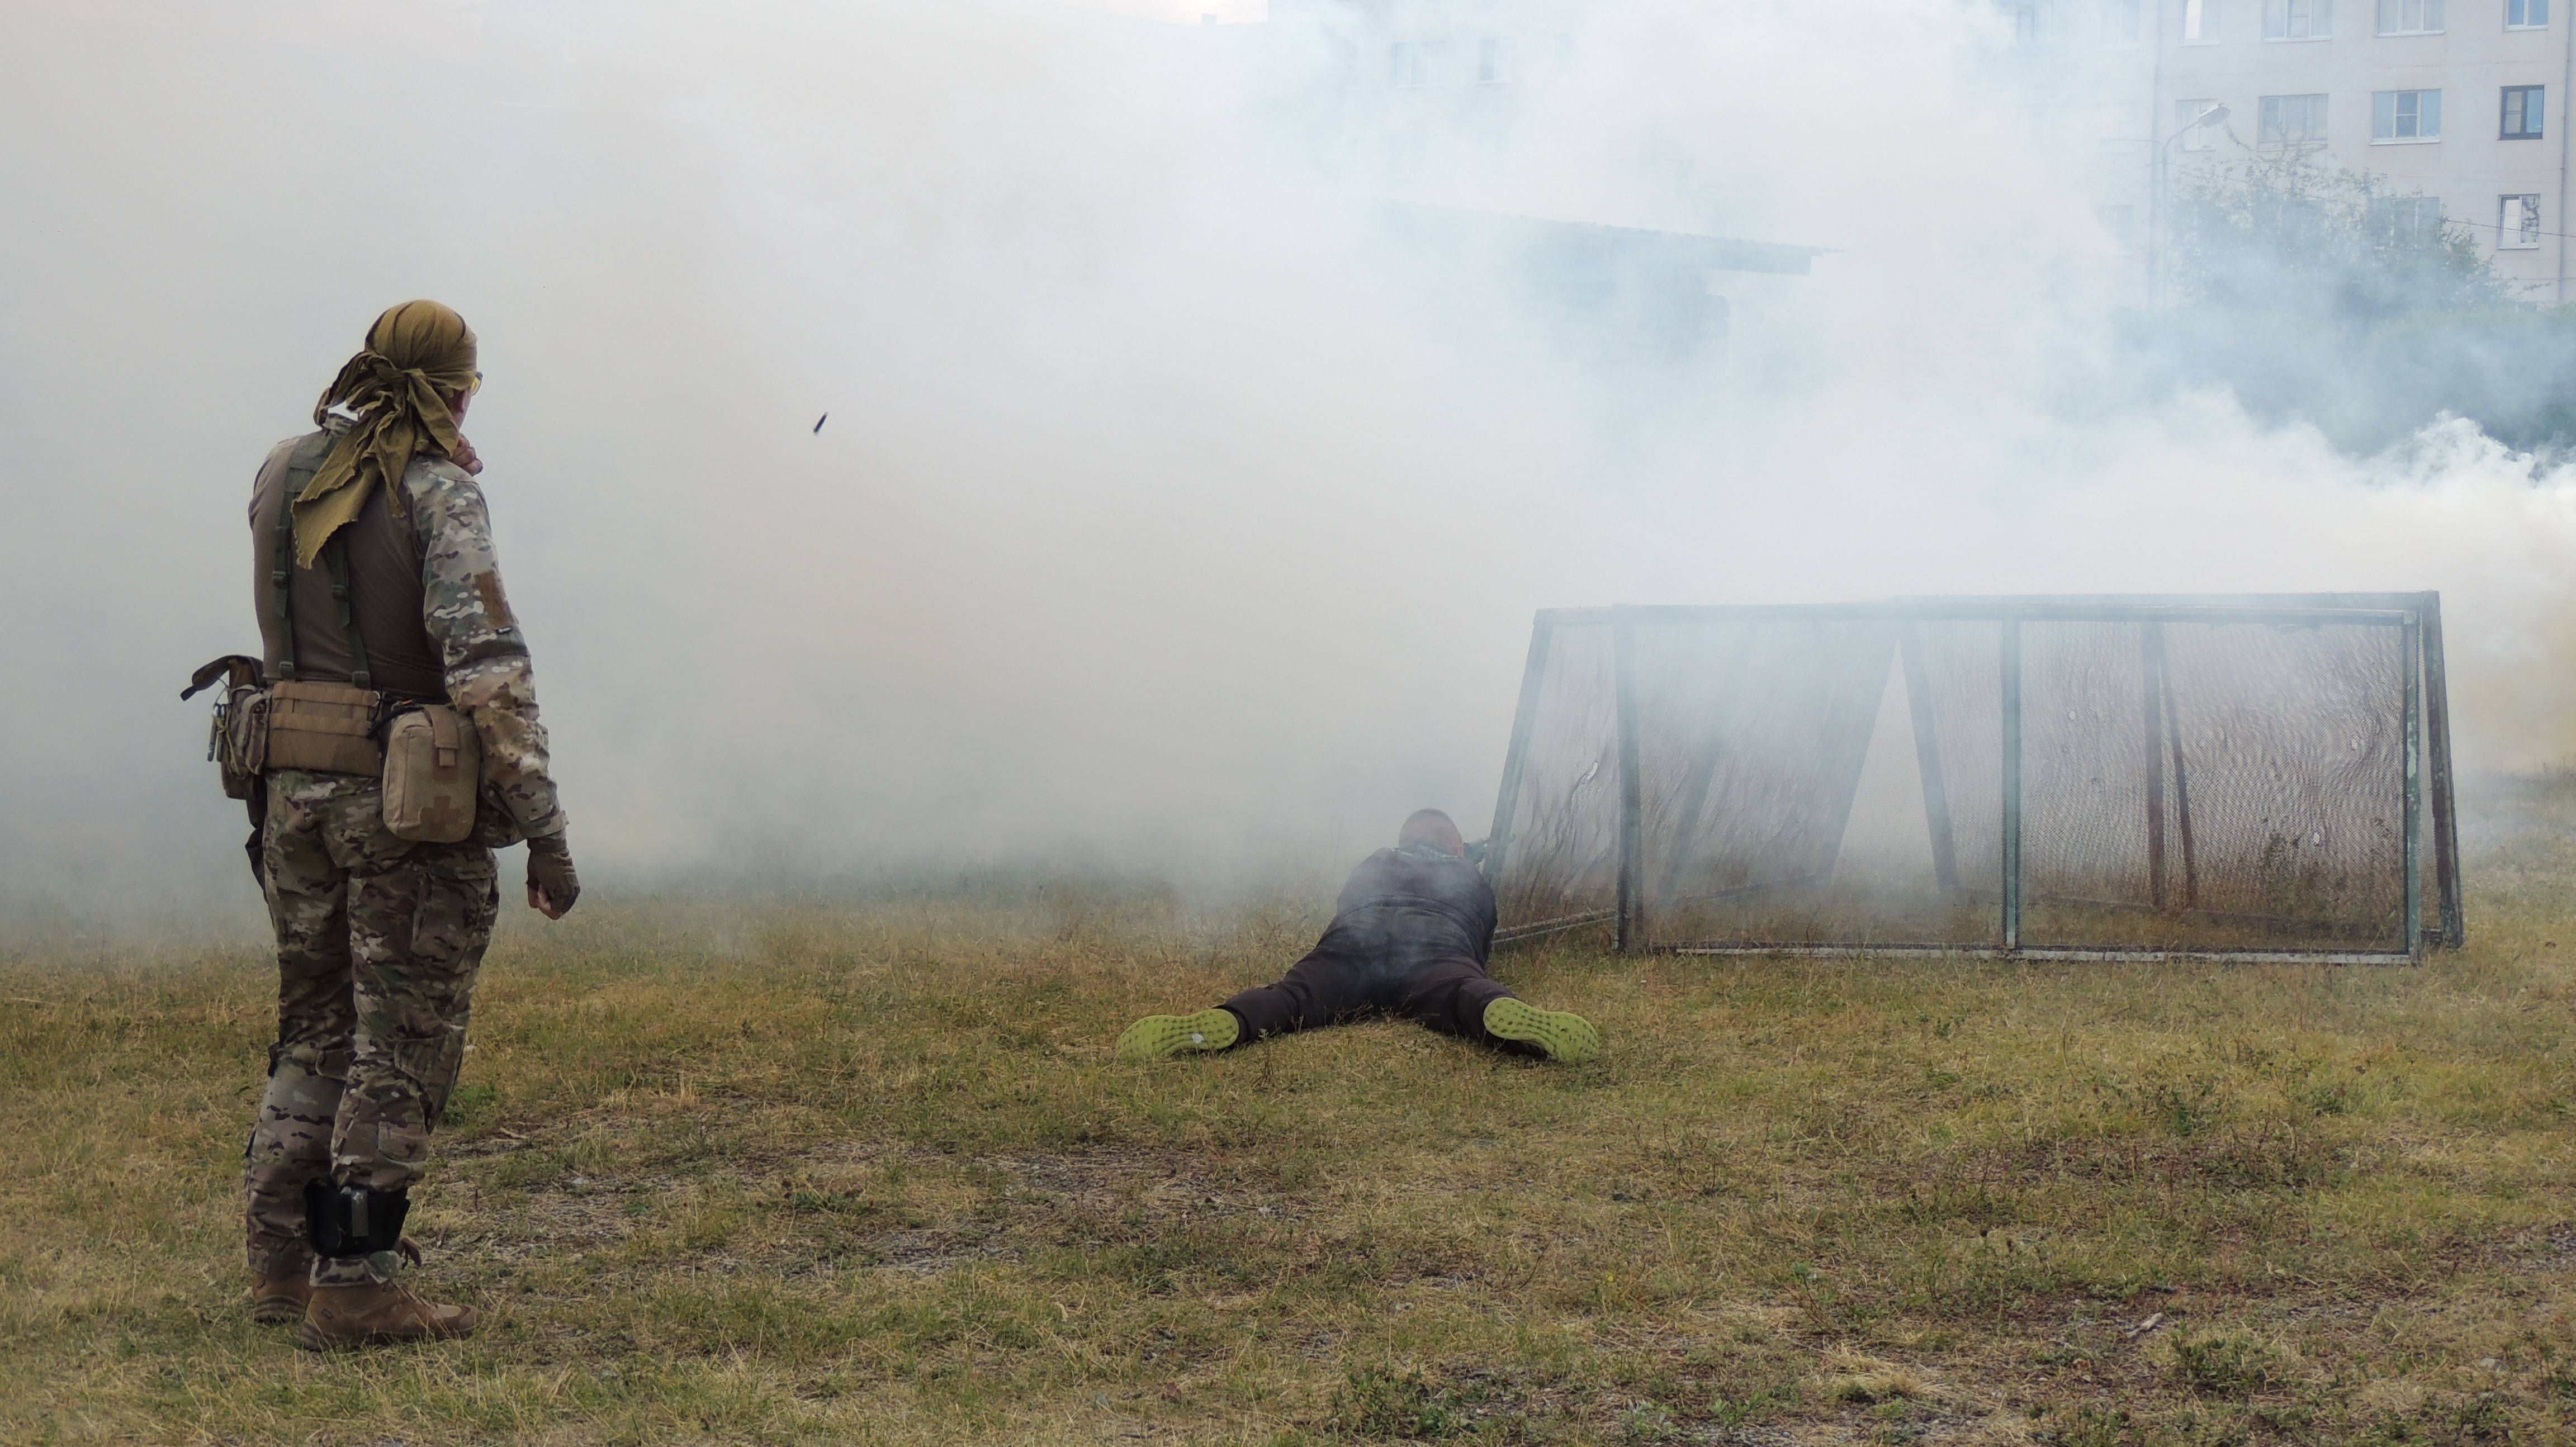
(417, 354)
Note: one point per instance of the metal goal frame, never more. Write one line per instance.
(2430, 833)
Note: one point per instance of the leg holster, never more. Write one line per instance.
(344, 1221)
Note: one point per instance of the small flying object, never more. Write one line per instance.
(819, 421)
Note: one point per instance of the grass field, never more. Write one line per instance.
(807, 1172)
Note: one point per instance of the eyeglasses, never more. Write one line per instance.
(474, 386)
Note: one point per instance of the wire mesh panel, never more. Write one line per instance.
(2239, 776)
(1556, 835)
(1953, 677)
(1752, 739)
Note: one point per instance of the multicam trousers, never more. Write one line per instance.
(379, 941)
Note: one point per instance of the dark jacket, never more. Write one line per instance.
(1405, 908)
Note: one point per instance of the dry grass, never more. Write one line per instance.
(807, 1172)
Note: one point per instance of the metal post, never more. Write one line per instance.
(2182, 795)
(1927, 757)
(2151, 673)
(1507, 802)
(2437, 749)
(2411, 659)
(2012, 781)
(1631, 931)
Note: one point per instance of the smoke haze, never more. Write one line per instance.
(1172, 512)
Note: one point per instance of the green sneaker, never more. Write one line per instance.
(1156, 1036)
(1563, 1036)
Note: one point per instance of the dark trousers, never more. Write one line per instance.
(1330, 986)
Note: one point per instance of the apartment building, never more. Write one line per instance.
(2455, 107)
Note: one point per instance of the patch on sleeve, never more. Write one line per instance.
(497, 606)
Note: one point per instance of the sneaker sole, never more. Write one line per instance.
(1158, 1036)
(1563, 1035)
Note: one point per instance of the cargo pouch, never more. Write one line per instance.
(326, 727)
(238, 741)
(433, 775)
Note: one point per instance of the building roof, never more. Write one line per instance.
(1682, 248)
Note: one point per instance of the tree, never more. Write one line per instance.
(2327, 296)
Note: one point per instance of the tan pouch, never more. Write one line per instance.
(238, 743)
(324, 727)
(433, 774)
(241, 739)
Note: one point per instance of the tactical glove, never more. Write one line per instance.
(552, 883)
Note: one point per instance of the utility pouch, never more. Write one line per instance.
(433, 775)
(326, 727)
(238, 740)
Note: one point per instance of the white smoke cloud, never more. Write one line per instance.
(1167, 510)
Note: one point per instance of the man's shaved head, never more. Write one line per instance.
(1430, 826)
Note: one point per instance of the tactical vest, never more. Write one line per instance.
(354, 618)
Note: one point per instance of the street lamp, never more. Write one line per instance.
(2162, 162)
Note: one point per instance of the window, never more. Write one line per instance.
(2523, 105)
(2119, 21)
(2407, 220)
(2288, 120)
(2195, 137)
(2517, 223)
(2526, 14)
(2033, 21)
(2405, 115)
(2298, 19)
(1407, 65)
(2410, 17)
(2200, 22)
(1493, 60)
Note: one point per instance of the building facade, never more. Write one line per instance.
(2454, 108)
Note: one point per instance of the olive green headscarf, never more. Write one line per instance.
(417, 355)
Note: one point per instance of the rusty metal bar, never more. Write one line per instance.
(2454, 931)
(2412, 657)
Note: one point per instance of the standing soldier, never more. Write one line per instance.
(378, 595)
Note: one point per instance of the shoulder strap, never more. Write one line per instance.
(300, 467)
(335, 553)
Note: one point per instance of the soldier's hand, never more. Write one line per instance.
(552, 883)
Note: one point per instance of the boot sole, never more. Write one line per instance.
(1157, 1036)
(314, 1341)
(277, 1310)
(1563, 1035)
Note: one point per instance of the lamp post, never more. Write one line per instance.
(2162, 162)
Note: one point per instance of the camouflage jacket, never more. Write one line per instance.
(468, 616)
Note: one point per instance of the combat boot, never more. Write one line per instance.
(372, 1313)
(279, 1300)
(360, 1251)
